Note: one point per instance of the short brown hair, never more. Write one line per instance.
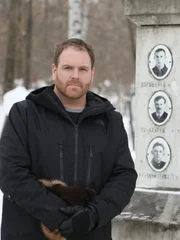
(77, 43)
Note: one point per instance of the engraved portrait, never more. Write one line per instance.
(160, 61)
(160, 108)
(158, 154)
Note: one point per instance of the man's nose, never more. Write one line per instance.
(75, 74)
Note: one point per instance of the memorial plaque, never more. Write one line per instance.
(158, 108)
(158, 154)
(160, 61)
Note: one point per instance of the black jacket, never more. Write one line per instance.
(41, 141)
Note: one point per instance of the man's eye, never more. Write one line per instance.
(67, 68)
(83, 69)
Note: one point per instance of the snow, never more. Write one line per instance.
(13, 96)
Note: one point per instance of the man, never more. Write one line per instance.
(160, 115)
(160, 68)
(158, 154)
(64, 132)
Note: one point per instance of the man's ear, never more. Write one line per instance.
(54, 70)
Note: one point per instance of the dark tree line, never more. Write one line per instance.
(31, 29)
(19, 44)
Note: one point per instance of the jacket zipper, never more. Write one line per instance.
(61, 163)
(91, 155)
(76, 155)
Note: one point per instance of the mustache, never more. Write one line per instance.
(74, 83)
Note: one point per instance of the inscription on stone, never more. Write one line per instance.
(153, 84)
(158, 176)
(152, 130)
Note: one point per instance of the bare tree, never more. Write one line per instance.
(78, 18)
(11, 46)
(74, 24)
(102, 24)
(28, 44)
(19, 43)
(20, 35)
(85, 18)
(46, 19)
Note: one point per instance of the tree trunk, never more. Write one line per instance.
(28, 45)
(85, 18)
(19, 73)
(75, 28)
(46, 17)
(11, 48)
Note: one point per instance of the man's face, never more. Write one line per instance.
(160, 59)
(73, 76)
(158, 153)
(160, 105)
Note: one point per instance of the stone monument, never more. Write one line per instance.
(154, 211)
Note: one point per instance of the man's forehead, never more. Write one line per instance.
(74, 51)
(71, 56)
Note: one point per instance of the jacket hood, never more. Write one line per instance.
(46, 97)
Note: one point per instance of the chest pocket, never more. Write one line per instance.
(100, 144)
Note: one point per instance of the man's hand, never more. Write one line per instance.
(81, 220)
(55, 235)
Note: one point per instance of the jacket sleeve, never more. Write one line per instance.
(117, 192)
(17, 181)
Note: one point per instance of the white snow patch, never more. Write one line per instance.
(13, 96)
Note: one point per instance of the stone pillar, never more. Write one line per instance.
(154, 211)
(157, 91)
